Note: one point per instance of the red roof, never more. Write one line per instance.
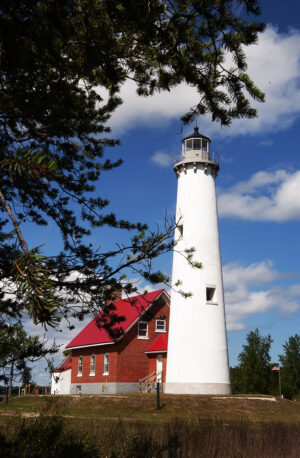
(159, 344)
(65, 365)
(126, 311)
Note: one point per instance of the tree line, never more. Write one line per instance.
(256, 373)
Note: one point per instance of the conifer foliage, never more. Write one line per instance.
(254, 367)
(62, 65)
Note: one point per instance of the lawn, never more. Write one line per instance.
(142, 407)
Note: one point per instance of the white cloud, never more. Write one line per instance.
(250, 290)
(162, 159)
(266, 196)
(273, 64)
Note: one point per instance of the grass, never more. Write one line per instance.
(142, 407)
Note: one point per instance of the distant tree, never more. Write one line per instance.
(62, 66)
(254, 363)
(17, 352)
(290, 366)
(236, 380)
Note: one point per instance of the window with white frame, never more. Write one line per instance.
(160, 326)
(143, 330)
(79, 366)
(92, 365)
(106, 364)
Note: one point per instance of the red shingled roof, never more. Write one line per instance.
(130, 309)
(65, 365)
(160, 344)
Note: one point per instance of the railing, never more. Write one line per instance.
(148, 382)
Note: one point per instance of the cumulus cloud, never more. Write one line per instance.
(266, 196)
(162, 159)
(253, 289)
(273, 64)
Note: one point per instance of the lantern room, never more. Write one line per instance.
(196, 146)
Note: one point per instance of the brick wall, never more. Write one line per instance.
(127, 359)
(133, 363)
(99, 366)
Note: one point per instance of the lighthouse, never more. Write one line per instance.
(197, 349)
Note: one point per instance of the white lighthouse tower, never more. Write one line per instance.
(197, 349)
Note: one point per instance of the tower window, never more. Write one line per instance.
(180, 230)
(211, 295)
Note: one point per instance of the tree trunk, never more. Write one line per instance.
(11, 375)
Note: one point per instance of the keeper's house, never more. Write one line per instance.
(128, 356)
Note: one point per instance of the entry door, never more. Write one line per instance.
(159, 367)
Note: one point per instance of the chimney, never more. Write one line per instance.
(112, 294)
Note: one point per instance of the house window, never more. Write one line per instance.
(79, 366)
(211, 296)
(92, 367)
(143, 330)
(160, 326)
(106, 364)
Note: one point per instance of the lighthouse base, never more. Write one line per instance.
(197, 388)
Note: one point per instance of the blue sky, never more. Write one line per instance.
(258, 185)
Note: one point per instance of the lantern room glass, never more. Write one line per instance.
(195, 144)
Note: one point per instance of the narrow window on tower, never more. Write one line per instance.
(211, 295)
(180, 231)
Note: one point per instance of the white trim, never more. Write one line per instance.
(80, 358)
(157, 351)
(160, 330)
(106, 357)
(91, 345)
(147, 330)
(92, 373)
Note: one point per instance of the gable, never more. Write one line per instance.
(128, 310)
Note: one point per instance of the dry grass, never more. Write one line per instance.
(131, 427)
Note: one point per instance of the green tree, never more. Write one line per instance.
(62, 66)
(236, 380)
(290, 366)
(18, 351)
(254, 363)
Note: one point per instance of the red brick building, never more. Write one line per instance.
(114, 362)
